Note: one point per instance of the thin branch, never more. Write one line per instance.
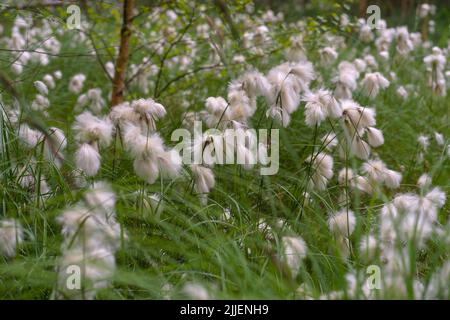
(183, 75)
(166, 54)
(98, 56)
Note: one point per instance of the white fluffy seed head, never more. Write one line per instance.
(402, 92)
(322, 166)
(392, 179)
(319, 106)
(40, 103)
(373, 82)
(360, 65)
(76, 83)
(295, 250)
(322, 163)
(170, 164)
(240, 107)
(328, 54)
(358, 116)
(196, 291)
(375, 170)
(146, 169)
(375, 137)
(57, 74)
(11, 235)
(424, 181)
(423, 142)
(254, 83)
(140, 145)
(49, 81)
(437, 197)
(216, 105)
(314, 114)
(122, 113)
(330, 140)
(59, 138)
(204, 178)
(346, 80)
(360, 148)
(41, 87)
(342, 223)
(29, 137)
(439, 138)
(363, 184)
(304, 71)
(82, 101)
(89, 128)
(96, 100)
(149, 108)
(406, 202)
(345, 176)
(87, 159)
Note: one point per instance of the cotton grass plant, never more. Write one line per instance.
(364, 159)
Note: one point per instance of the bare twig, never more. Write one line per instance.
(183, 75)
(98, 56)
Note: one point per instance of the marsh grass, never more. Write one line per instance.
(191, 242)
